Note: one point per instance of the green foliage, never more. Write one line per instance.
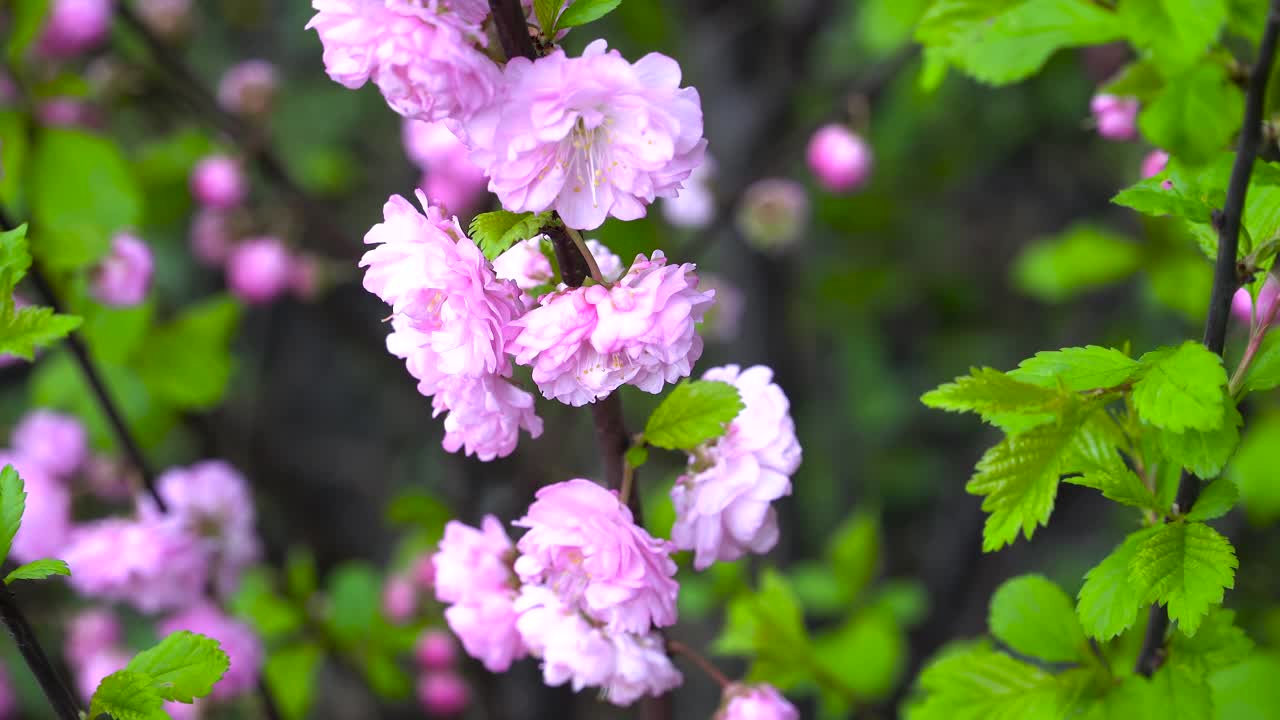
(82, 192)
(1081, 258)
(637, 456)
(271, 615)
(1264, 372)
(1077, 368)
(13, 502)
(1253, 470)
(37, 570)
(497, 231)
(854, 554)
(581, 12)
(1109, 601)
(187, 363)
(1248, 690)
(1175, 32)
(22, 330)
(1203, 452)
(546, 12)
(127, 695)
(768, 626)
(1195, 115)
(290, 674)
(1215, 500)
(695, 412)
(1218, 644)
(1181, 388)
(1034, 617)
(995, 396)
(14, 144)
(1118, 483)
(978, 683)
(1171, 693)
(1186, 566)
(182, 667)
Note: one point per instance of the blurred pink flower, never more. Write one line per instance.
(1154, 163)
(774, 214)
(724, 505)
(166, 18)
(1242, 302)
(839, 158)
(238, 641)
(211, 236)
(525, 265)
(46, 522)
(473, 574)
(8, 697)
(68, 112)
(589, 137)
(259, 269)
(55, 441)
(248, 88)
(399, 599)
(1116, 117)
(435, 650)
(72, 27)
(723, 319)
(153, 565)
(486, 626)
(89, 633)
(611, 267)
(443, 694)
(756, 702)
(218, 183)
(123, 277)
(695, 205)
(98, 666)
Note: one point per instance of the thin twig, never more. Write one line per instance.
(586, 254)
(55, 689)
(1225, 284)
(676, 647)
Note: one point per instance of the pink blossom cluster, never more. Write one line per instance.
(724, 502)
(248, 88)
(755, 702)
(123, 277)
(585, 595)
(1116, 117)
(449, 179)
(442, 691)
(47, 449)
(1261, 314)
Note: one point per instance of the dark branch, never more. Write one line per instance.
(1225, 284)
(513, 30)
(55, 689)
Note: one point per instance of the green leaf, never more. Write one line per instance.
(1264, 372)
(1196, 114)
(1082, 258)
(1077, 368)
(38, 570)
(1203, 452)
(1149, 196)
(637, 456)
(1218, 644)
(270, 614)
(127, 695)
(355, 591)
(25, 329)
(1215, 500)
(15, 260)
(25, 25)
(1181, 388)
(768, 626)
(871, 641)
(1176, 32)
(1118, 483)
(188, 363)
(582, 12)
(300, 571)
(1034, 617)
(695, 412)
(14, 144)
(1109, 601)
(497, 231)
(854, 553)
(1187, 566)
(291, 675)
(82, 192)
(1248, 690)
(183, 666)
(1171, 694)
(995, 395)
(1019, 42)
(1254, 470)
(982, 684)
(13, 502)
(546, 11)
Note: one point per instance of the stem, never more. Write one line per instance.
(676, 647)
(64, 703)
(1225, 283)
(628, 479)
(1255, 342)
(586, 254)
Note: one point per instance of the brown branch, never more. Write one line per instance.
(55, 689)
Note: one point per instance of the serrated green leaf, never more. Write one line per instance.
(1034, 617)
(995, 395)
(1218, 644)
(183, 666)
(1149, 196)
(1215, 500)
(982, 684)
(582, 12)
(13, 502)
(188, 363)
(1195, 115)
(1118, 483)
(495, 232)
(1203, 452)
(38, 570)
(15, 260)
(768, 626)
(546, 11)
(128, 695)
(1181, 388)
(1020, 40)
(1077, 368)
(1176, 32)
(1186, 566)
(22, 330)
(1109, 601)
(695, 412)
(291, 675)
(854, 553)
(1264, 371)
(1081, 258)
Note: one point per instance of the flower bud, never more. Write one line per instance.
(435, 650)
(1116, 117)
(1268, 297)
(755, 702)
(68, 112)
(399, 599)
(774, 213)
(124, 275)
(74, 26)
(1154, 163)
(166, 18)
(248, 88)
(839, 159)
(443, 694)
(211, 237)
(217, 182)
(259, 269)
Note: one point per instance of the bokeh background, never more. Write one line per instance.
(986, 233)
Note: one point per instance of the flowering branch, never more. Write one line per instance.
(1225, 283)
(60, 697)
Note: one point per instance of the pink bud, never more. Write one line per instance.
(217, 182)
(124, 275)
(248, 88)
(167, 18)
(1116, 117)
(424, 572)
(443, 694)
(259, 269)
(1154, 163)
(74, 26)
(839, 158)
(68, 112)
(399, 599)
(304, 279)
(435, 650)
(1268, 297)
(774, 213)
(211, 237)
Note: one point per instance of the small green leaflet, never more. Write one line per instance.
(38, 570)
(1176, 32)
(1215, 500)
(1078, 368)
(1203, 452)
(768, 626)
(22, 330)
(995, 395)
(183, 666)
(1108, 603)
(1264, 373)
(1181, 388)
(1218, 644)
(637, 456)
(1196, 114)
(1171, 694)
(127, 695)
(1118, 483)
(694, 413)
(13, 502)
(497, 231)
(15, 259)
(582, 12)
(1079, 259)
(1186, 566)
(546, 10)
(979, 683)
(1034, 617)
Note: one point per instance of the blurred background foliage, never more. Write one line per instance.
(986, 234)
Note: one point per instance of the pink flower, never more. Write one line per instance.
(74, 26)
(259, 269)
(213, 501)
(695, 206)
(590, 137)
(586, 342)
(1242, 303)
(399, 599)
(68, 112)
(583, 542)
(237, 640)
(153, 565)
(248, 88)
(89, 633)
(839, 158)
(46, 522)
(611, 267)
(756, 702)
(435, 650)
(1154, 163)
(426, 62)
(724, 505)
(218, 183)
(1117, 117)
(166, 18)
(459, 190)
(450, 179)
(473, 561)
(525, 265)
(723, 319)
(211, 235)
(485, 624)
(485, 416)
(443, 694)
(52, 440)
(124, 275)
(774, 214)
(306, 276)
(97, 667)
